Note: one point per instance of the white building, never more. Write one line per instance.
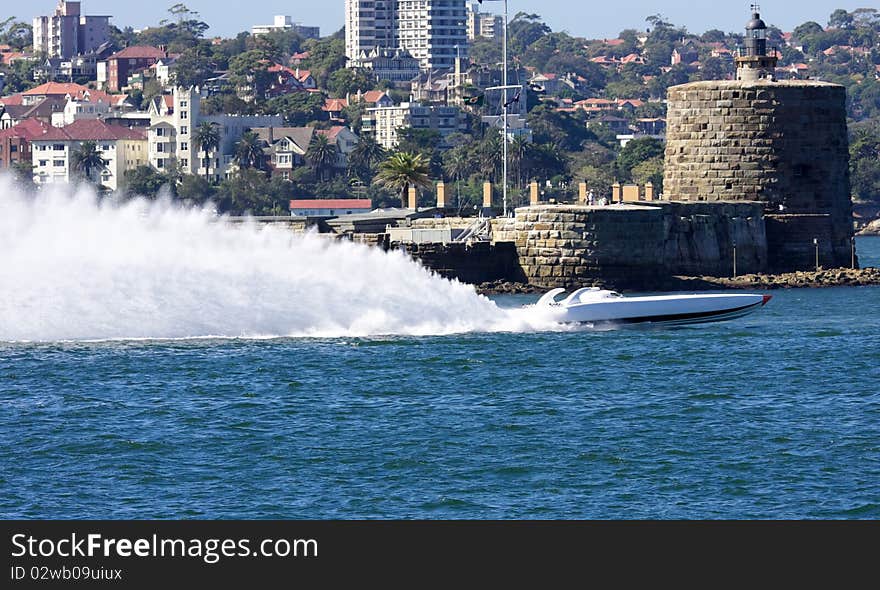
(384, 122)
(67, 33)
(433, 31)
(285, 23)
(122, 148)
(173, 119)
(482, 24)
(77, 110)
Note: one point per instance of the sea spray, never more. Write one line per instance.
(76, 267)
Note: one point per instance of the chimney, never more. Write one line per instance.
(271, 135)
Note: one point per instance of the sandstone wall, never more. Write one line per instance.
(569, 246)
(637, 246)
(779, 143)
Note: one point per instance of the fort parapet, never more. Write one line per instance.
(783, 144)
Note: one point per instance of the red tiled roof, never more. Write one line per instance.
(139, 52)
(60, 88)
(91, 130)
(29, 129)
(614, 42)
(332, 132)
(303, 75)
(373, 95)
(331, 204)
(335, 104)
(10, 101)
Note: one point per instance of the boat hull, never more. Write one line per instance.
(663, 310)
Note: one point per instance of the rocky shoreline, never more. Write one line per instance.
(872, 229)
(835, 277)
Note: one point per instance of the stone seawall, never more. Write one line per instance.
(780, 143)
(470, 263)
(566, 246)
(634, 245)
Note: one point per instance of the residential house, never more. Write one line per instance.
(15, 142)
(43, 110)
(122, 64)
(63, 90)
(53, 152)
(334, 107)
(84, 66)
(393, 65)
(75, 110)
(372, 98)
(285, 23)
(285, 148)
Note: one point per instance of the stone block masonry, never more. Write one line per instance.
(783, 144)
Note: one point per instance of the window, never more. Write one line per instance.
(160, 147)
(184, 146)
(43, 163)
(58, 147)
(184, 162)
(184, 130)
(183, 114)
(58, 163)
(106, 147)
(160, 163)
(183, 104)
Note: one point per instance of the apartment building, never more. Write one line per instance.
(384, 122)
(67, 33)
(483, 24)
(173, 120)
(121, 147)
(432, 31)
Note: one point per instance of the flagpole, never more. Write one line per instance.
(504, 83)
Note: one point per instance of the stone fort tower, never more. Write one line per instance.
(781, 143)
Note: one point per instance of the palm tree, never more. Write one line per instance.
(249, 151)
(365, 156)
(87, 157)
(459, 164)
(492, 156)
(207, 138)
(517, 153)
(322, 154)
(402, 170)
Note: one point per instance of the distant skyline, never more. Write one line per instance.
(593, 20)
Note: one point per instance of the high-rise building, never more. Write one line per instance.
(369, 24)
(432, 31)
(483, 24)
(67, 33)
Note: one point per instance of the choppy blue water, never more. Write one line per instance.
(772, 416)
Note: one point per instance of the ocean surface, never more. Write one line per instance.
(776, 415)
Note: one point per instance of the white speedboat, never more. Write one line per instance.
(599, 306)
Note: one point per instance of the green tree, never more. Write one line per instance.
(206, 138)
(194, 66)
(402, 170)
(350, 81)
(636, 152)
(15, 33)
(86, 158)
(365, 157)
(249, 151)
(322, 155)
(144, 181)
(298, 108)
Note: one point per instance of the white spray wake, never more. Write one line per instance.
(73, 268)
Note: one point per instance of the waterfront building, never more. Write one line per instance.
(121, 147)
(67, 33)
